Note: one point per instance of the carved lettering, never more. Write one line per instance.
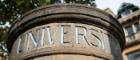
(42, 37)
(95, 38)
(81, 35)
(60, 34)
(49, 36)
(65, 33)
(19, 48)
(34, 41)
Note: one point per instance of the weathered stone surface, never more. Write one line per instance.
(66, 32)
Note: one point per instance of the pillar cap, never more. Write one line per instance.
(83, 14)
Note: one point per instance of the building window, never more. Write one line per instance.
(129, 30)
(126, 12)
(134, 55)
(137, 25)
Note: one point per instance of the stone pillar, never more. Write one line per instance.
(66, 32)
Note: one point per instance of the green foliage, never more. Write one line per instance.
(90, 2)
(2, 34)
(11, 9)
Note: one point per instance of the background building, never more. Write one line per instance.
(129, 16)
